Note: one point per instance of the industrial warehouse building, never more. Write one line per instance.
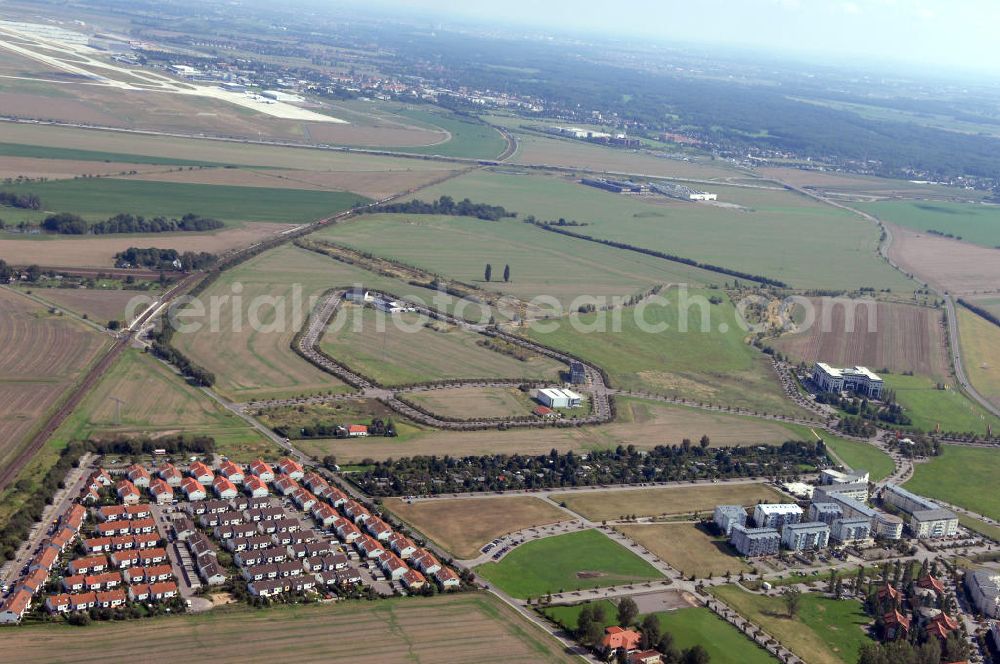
(554, 397)
(855, 379)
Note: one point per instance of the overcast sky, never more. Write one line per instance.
(949, 33)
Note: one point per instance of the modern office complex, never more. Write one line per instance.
(776, 515)
(727, 516)
(830, 476)
(854, 379)
(855, 490)
(805, 536)
(850, 531)
(753, 542)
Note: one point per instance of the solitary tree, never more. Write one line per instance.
(627, 611)
(506, 273)
(793, 599)
(489, 272)
(695, 655)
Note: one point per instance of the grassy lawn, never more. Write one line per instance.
(541, 263)
(464, 526)
(585, 559)
(401, 349)
(474, 140)
(826, 631)
(687, 548)
(979, 224)
(930, 408)
(770, 232)
(468, 402)
(470, 627)
(601, 505)
(861, 456)
(980, 341)
(97, 199)
(964, 476)
(686, 347)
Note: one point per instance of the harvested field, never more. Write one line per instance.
(687, 547)
(464, 526)
(980, 341)
(62, 169)
(471, 402)
(858, 186)
(450, 630)
(899, 337)
(99, 305)
(600, 505)
(99, 250)
(643, 424)
(969, 222)
(42, 356)
(958, 267)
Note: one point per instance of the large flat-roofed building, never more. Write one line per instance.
(888, 526)
(554, 397)
(984, 589)
(727, 516)
(805, 536)
(753, 542)
(905, 500)
(853, 379)
(855, 490)
(849, 531)
(831, 476)
(934, 523)
(825, 512)
(776, 515)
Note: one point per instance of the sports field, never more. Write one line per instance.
(980, 341)
(682, 346)
(410, 348)
(680, 499)
(584, 559)
(541, 263)
(687, 548)
(471, 402)
(963, 476)
(826, 631)
(931, 408)
(971, 222)
(156, 400)
(846, 333)
(461, 628)
(769, 232)
(464, 526)
(98, 199)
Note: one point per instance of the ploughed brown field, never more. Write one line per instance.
(899, 337)
(43, 355)
(99, 305)
(463, 526)
(470, 627)
(99, 250)
(64, 169)
(958, 267)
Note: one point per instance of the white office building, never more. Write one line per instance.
(727, 516)
(888, 526)
(905, 500)
(855, 490)
(852, 379)
(831, 476)
(934, 523)
(825, 512)
(753, 542)
(555, 397)
(776, 515)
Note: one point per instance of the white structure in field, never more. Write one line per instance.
(855, 379)
(555, 397)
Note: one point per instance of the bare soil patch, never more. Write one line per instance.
(957, 267)
(99, 305)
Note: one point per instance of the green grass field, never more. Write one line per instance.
(694, 626)
(772, 232)
(469, 139)
(397, 350)
(976, 223)
(980, 341)
(825, 631)
(964, 476)
(97, 199)
(46, 152)
(541, 263)
(714, 365)
(861, 456)
(344, 412)
(930, 408)
(585, 559)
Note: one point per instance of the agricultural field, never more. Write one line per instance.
(155, 400)
(472, 140)
(44, 354)
(99, 305)
(410, 348)
(472, 402)
(854, 187)
(963, 476)
(683, 347)
(989, 303)
(562, 563)
(861, 456)
(970, 222)
(682, 499)
(932, 409)
(980, 341)
(644, 424)
(66, 169)
(826, 631)
(52, 160)
(463, 526)
(541, 263)
(458, 628)
(354, 411)
(846, 333)
(957, 267)
(98, 199)
(767, 231)
(687, 547)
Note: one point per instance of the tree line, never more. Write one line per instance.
(67, 223)
(164, 259)
(23, 201)
(162, 349)
(979, 311)
(445, 205)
